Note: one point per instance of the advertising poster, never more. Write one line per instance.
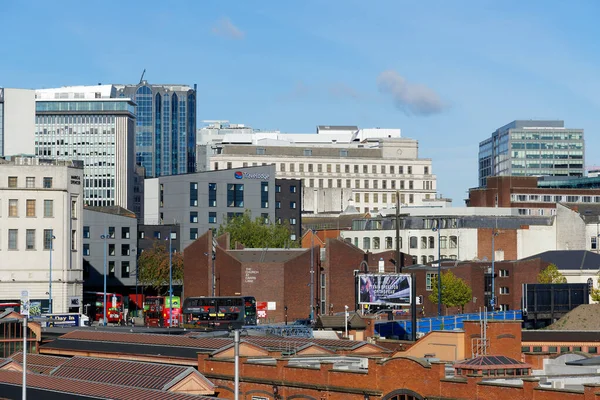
(378, 289)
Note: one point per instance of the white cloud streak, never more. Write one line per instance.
(225, 28)
(410, 98)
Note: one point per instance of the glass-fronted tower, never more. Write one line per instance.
(165, 134)
(532, 148)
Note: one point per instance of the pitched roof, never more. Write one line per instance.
(266, 255)
(125, 373)
(337, 321)
(114, 210)
(94, 390)
(570, 259)
(491, 362)
(40, 363)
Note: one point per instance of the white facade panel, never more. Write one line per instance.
(19, 122)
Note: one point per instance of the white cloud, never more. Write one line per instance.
(225, 28)
(411, 98)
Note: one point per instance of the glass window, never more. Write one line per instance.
(111, 269)
(307, 152)
(194, 217)
(30, 212)
(111, 232)
(292, 204)
(235, 195)
(293, 189)
(125, 232)
(413, 242)
(13, 208)
(12, 181)
(86, 249)
(376, 243)
(30, 182)
(124, 249)
(430, 278)
(264, 195)
(48, 239)
(47, 182)
(12, 239)
(212, 194)
(124, 269)
(156, 235)
(292, 221)
(212, 217)
(366, 243)
(111, 249)
(30, 239)
(389, 243)
(48, 208)
(193, 194)
(277, 188)
(193, 233)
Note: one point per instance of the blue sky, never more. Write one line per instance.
(446, 73)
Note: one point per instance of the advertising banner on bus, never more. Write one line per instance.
(380, 289)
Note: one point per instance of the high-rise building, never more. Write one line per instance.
(17, 121)
(337, 165)
(40, 232)
(532, 148)
(165, 132)
(90, 123)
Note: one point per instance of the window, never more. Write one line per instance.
(366, 197)
(357, 197)
(47, 182)
(366, 243)
(413, 242)
(348, 183)
(409, 170)
(265, 218)
(12, 181)
(13, 208)
(173, 235)
(293, 205)
(278, 204)
(356, 169)
(194, 217)
(423, 259)
(392, 169)
(48, 239)
(292, 167)
(12, 239)
(301, 167)
(376, 243)
(30, 182)
(411, 184)
(431, 242)
(430, 278)
(375, 184)
(30, 239)
(293, 189)
(338, 183)
(111, 232)
(366, 183)
(389, 243)
(453, 242)
(426, 170)
(277, 188)
(73, 240)
(443, 242)
(193, 233)
(590, 284)
(292, 221)
(423, 242)
(311, 183)
(307, 152)
(343, 153)
(357, 183)
(212, 194)
(594, 242)
(504, 290)
(86, 249)
(319, 167)
(86, 232)
(282, 167)
(365, 169)
(338, 168)
(124, 249)
(212, 217)
(30, 209)
(111, 269)
(156, 235)
(73, 209)
(310, 168)
(264, 195)
(124, 269)
(111, 249)
(125, 232)
(141, 235)
(504, 273)
(48, 208)
(235, 195)
(193, 194)
(320, 183)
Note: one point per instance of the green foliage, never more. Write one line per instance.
(455, 291)
(551, 275)
(153, 267)
(256, 233)
(595, 293)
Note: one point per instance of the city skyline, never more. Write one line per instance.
(446, 75)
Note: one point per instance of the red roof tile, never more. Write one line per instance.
(95, 389)
(40, 363)
(147, 338)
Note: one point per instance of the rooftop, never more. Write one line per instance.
(114, 210)
(491, 362)
(570, 259)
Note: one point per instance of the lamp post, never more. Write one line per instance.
(439, 271)
(104, 320)
(52, 237)
(170, 278)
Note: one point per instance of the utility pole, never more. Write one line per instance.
(398, 265)
(312, 276)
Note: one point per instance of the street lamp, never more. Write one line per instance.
(104, 320)
(439, 271)
(52, 237)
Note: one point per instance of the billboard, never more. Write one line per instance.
(381, 289)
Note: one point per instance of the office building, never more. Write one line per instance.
(118, 249)
(337, 164)
(288, 205)
(41, 205)
(205, 200)
(17, 121)
(88, 123)
(165, 132)
(532, 148)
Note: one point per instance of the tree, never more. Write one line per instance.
(595, 292)
(455, 291)
(153, 267)
(551, 274)
(256, 233)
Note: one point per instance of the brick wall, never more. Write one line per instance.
(505, 241)
(196, 266)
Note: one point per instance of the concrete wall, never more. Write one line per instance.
(19, 122)
(571, 229)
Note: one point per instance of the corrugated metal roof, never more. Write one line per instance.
(40, 363)
(92, 389)
(149, 339)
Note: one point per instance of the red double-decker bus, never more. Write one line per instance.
(94, 301)
(153, 310)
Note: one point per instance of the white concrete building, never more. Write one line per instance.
(465, 233)
(337, 164)
(39, 200)
(88, 123)
(17, 121)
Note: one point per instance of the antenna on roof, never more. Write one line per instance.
(143, 73)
